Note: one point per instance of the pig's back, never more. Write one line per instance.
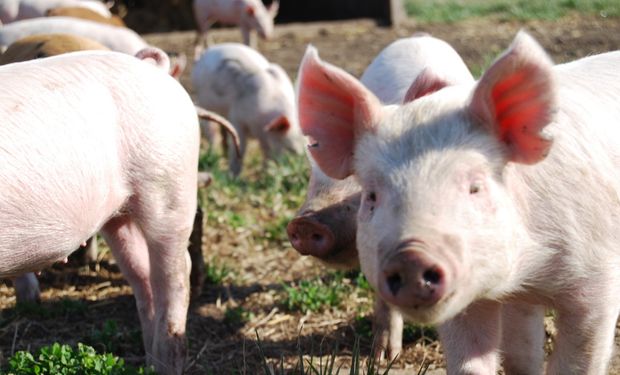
(226, 72)
(392, 72)
(116, 38)
(77, 131)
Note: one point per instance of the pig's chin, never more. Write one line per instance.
(447, 308)
(345, 258)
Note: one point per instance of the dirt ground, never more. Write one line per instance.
(221, 345)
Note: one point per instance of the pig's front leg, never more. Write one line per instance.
(523, 338)
(388, 330)
(235, 161)
(586, 325)
(471, 340)
(27, 288)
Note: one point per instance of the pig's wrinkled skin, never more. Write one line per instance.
(112, 146)
(325, 226)
(86, 14)
(250, 15)
(15, 10)
(256, 96)
(483, 204)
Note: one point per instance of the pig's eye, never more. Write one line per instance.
(475, 187)
(372, 197)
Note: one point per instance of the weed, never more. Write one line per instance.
(64, 360)
(237, 316)
(316, 294)
(215, 273)
(107, 338)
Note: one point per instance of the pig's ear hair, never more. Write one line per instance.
(334, 109)
(427, 82)
(515, 100)
(280, 124)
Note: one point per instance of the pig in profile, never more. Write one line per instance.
(60, 120)
(250, 15)
(256, 96)
(484, 203)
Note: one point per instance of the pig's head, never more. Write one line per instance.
(277, 101)
(259, 18)
(326, 224)
(438, 223)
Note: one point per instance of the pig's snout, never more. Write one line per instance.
(309, 237)
(412, 279)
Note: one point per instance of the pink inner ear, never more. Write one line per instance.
(279, 125)
(333, 107)
(426, 83)
(521, 111)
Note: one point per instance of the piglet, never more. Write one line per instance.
(250, 15)
(60, 120)
(256, 96)
(483, 204)
(325, 226)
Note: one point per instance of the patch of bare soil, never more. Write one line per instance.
(224, 344)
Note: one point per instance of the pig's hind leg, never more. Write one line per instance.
(165, 211)
(128, 246)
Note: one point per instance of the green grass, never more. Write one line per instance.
(316, 294)
(455, 10)
(60, 359)
(216, 273)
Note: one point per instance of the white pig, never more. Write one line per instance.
(255, 95)
(120, 39)
(248, 14)
(15, 10)
(325, 226)
(482, 204)
(101, 141)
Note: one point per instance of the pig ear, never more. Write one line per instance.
(279, 125)
(273, 8)
(515, 99)
(249, 10)
(334, 108)
(427, 82)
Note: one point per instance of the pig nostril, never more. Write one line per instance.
(317, 237)
(395, 283)
(431, 277)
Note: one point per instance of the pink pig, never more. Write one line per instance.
(101, 141)
(325, 226)
(15, 10)
(256, 96)
(116, 38)
(248, 14)
(483, 204)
